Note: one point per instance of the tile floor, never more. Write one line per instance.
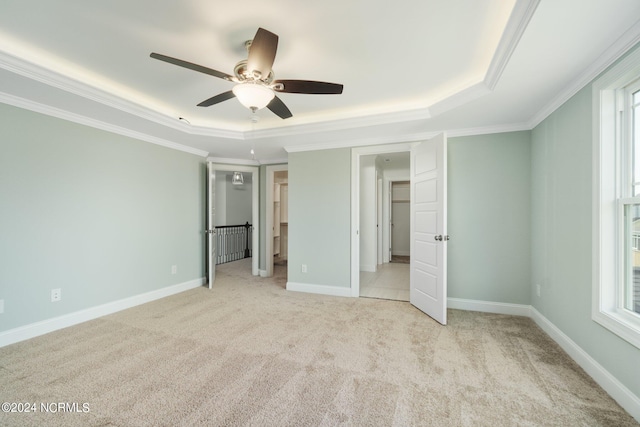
(391, 281)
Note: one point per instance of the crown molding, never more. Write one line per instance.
(518, 22)
(33, 71)
(341, 124)
(516, 25)
(30, 70)
(230, 161)
(408, 138)
(487, 130)
(83, 120)
(621, 46)
(268, 162)
(361, 142)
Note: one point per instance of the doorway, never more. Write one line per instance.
(400, 225)
(428, 221)
(213, 187)
(383, 185)
(276, 219)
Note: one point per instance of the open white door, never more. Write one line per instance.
(211, 225)
(428, 269)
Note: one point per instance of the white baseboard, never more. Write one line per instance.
(319, 289)
(489, 307)
(44, 327)
(262, 273)
(621, 394)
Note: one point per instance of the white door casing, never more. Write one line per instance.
(428, 265)
(211, 225)
(356, 155)
(212, 167)
(270, 171)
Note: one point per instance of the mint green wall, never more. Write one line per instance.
(489, 217)
(319, 217)
(489, 254)
(561, 236)
(101, 216)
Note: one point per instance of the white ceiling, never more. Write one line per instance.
(409, 67)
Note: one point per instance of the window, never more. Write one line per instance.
(631, 207)
(616, 213)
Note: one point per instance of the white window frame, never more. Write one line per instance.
(610, 179)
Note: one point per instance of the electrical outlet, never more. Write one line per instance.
(1, 306)
(304, 268)
(56, 295)
(174, 269)
(538, 289)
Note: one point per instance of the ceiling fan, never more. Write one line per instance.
(255, 85)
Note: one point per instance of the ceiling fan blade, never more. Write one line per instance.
(277, 106)
(191, 66)
(307, 86)
(217, 99)
(262, 53)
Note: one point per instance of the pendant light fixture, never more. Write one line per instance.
(237, 179)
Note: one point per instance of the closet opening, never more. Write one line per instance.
(277, 220)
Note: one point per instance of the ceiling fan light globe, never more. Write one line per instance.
(253, 95)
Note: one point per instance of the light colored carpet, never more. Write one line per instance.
(250, 353)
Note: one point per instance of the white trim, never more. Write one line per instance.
(44, 327)
(104, 96)
(280, 161)
(355, 203)
(373, 119)
(489, 307)
(518, 22)
(489, 130)
(255, 205)
(269, 203)
(611, 54)
(230, 161)
(618, 391)
(18, 61)
(247, 162)
(414, 137)
(362, 142)
(336, 291)
(516, 25)
(606, 158)
(97, 124)
(621, 394)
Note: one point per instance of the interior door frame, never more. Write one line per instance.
(356, 154)
(268, 225)
(255, 206)
(389, 235)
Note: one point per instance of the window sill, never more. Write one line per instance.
(625, 325)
